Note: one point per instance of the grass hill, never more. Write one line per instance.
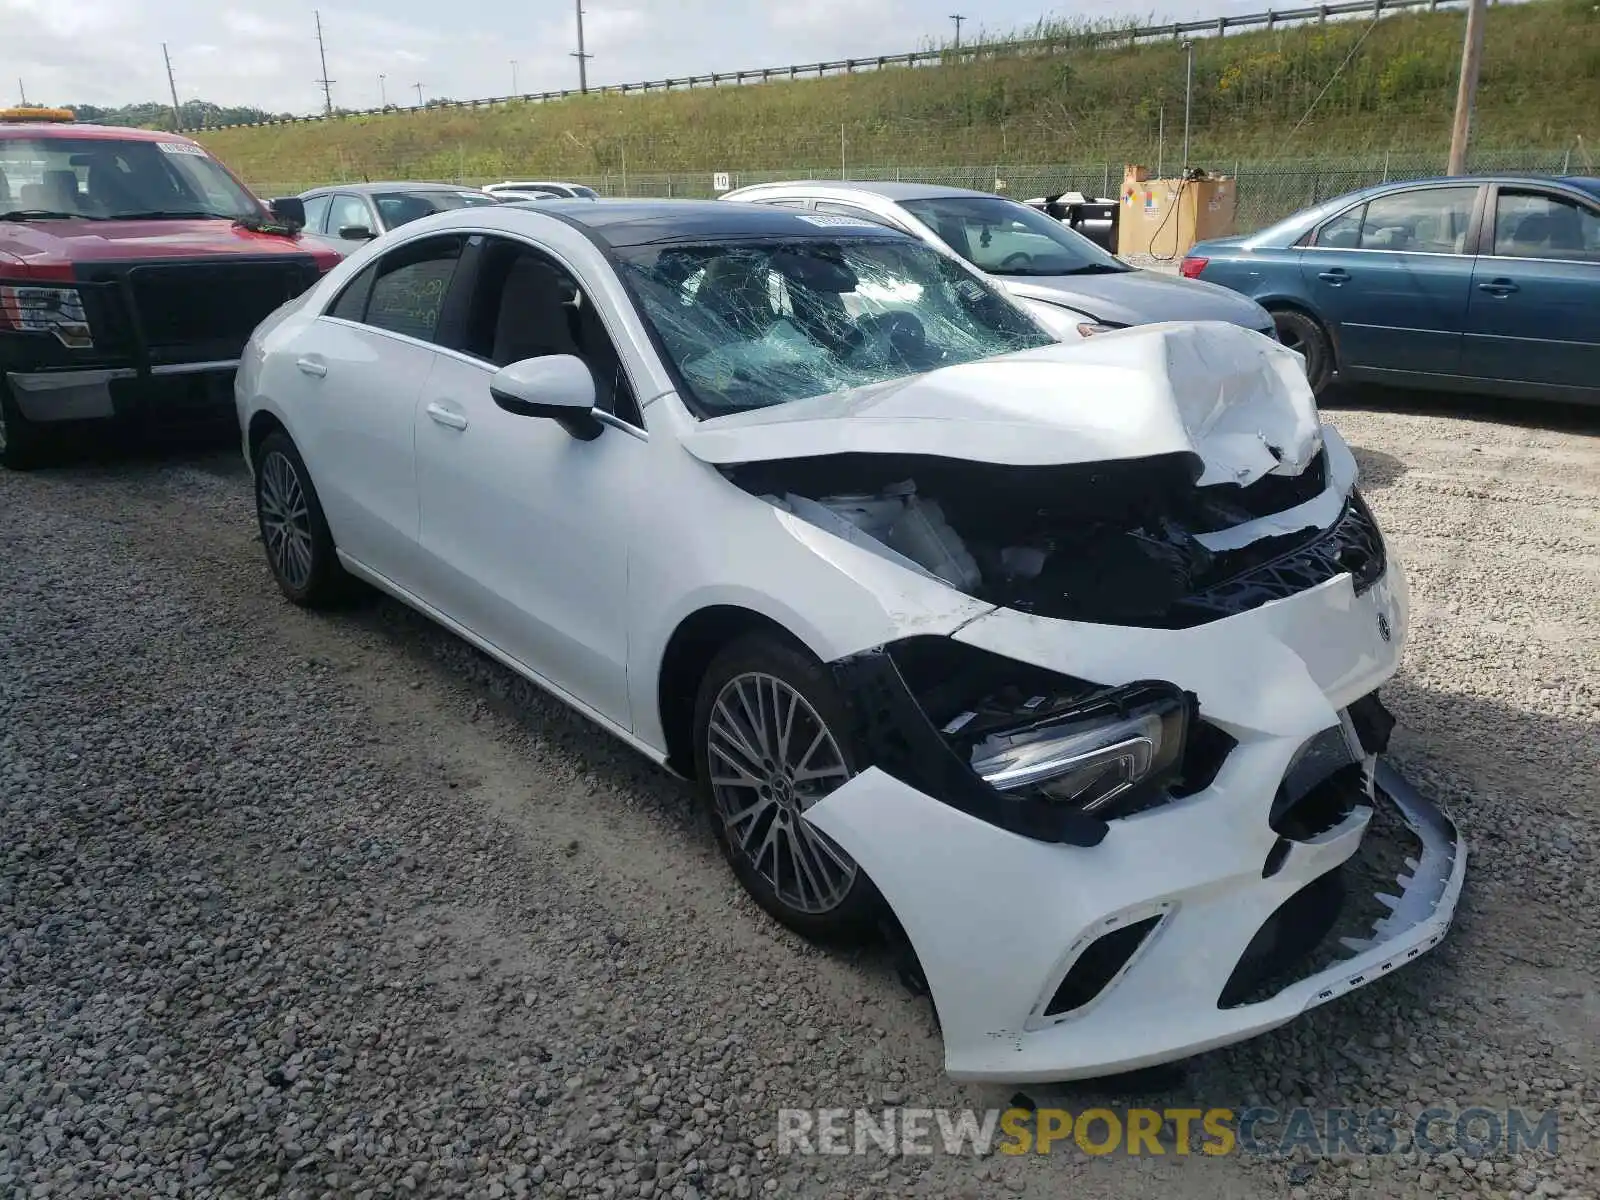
(1390, 87)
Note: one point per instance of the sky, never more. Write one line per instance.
(108, 52)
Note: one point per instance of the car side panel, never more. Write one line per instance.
(353, 425)
(1268, 275)
(1391, 309)
(1534, 321)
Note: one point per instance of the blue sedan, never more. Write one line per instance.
(1483, 284)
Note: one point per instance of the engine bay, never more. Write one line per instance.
(1117, 542)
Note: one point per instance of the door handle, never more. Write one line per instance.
(1335, 276)
(312, 366)
(447, 417)
(1499, 287)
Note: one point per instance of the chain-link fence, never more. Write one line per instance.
(1266, 190)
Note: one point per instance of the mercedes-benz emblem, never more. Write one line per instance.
(1383, 627)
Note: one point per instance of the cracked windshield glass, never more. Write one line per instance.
(762, 323)
(105, 179)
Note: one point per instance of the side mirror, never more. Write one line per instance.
(288, 210)
(557, 386)
(356, 233)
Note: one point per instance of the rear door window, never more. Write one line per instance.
(1424, 221)
(410, 285)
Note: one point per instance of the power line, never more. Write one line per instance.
(327, 84)
(177, 113)
(583, 59)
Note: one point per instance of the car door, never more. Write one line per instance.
(361, 366)
(1390, 278)
(524, 526)
(1534, 312)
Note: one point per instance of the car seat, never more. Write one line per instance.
(534, 320)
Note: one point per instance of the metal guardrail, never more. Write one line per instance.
(1214, 27)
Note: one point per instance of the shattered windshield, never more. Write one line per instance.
(1002, 237)
(108, 179)
(757, 323)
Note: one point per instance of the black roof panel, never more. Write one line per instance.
(621, 223)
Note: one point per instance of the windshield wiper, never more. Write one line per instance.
(265, 225)
(45, 214)
(1097, 269)
(156, 214)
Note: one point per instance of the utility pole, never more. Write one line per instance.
(418, 86)
(1188, 100)
(177, 113)
(957, 18)
(327, 84)
(583, 59)
(513, 77)
(383, 92)
(1467, 91)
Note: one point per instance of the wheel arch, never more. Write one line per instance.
(1281, 303)
(689, 652)
(263, 424)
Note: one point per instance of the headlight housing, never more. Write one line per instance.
(1093, 754)
(57, 310)
(1038, 753)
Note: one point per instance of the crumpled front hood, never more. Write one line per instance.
(1135, 297)
(1236, 399)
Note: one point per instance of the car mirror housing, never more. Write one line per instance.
(356, 233)
(559, 387)
(288, 210)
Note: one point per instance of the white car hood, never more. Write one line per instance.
(1235, 398)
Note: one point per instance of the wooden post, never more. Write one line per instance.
(1467, 91)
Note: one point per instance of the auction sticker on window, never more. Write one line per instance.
(181, 148)
(833, 221)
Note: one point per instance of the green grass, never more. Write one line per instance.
(1540, 88)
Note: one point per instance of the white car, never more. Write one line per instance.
(1067, 656)
(1071, 285)
(541, 189)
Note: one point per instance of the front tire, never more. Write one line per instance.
(20, 439)
(772, 737)
(1304, 333)
(294, 532)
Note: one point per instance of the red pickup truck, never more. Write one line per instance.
(133, 267)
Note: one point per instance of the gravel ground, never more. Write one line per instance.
(329, 906)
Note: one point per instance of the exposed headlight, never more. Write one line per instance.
(57, 310)
(1090, 755)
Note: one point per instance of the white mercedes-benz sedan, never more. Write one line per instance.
(1061, 659)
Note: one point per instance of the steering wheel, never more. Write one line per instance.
(900, 334)
(1018, 258)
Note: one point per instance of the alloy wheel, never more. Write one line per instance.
(285, 520)
(772, 757)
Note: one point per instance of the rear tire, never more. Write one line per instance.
(294, 533)
(20, 439)
(1305, 333)
(772, 736)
